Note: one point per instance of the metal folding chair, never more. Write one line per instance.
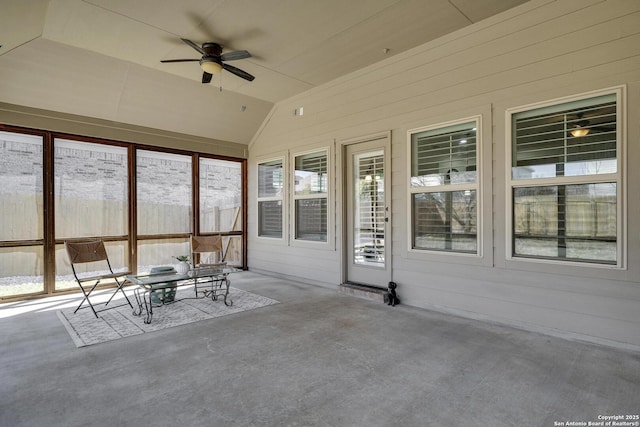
(94, 252)
(207, 252)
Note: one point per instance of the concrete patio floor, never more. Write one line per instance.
(319, 358)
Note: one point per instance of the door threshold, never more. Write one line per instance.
(361, 290)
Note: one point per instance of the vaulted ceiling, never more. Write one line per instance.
(101, 58)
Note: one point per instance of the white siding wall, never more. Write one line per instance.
(540, 51)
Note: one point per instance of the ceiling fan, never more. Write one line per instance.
(212, 60)
(582, 126)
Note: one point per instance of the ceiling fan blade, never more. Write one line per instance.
(180, 60)
(236, 54)
(206, 77)
(193, 45)
(603, 128)
(238, 72)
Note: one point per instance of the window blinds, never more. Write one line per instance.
(551, 136)
(311, 173)
(444, 155)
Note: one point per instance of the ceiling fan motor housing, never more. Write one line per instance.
(212, 49)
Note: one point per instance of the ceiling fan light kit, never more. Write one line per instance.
(210, 65)
(579, 131)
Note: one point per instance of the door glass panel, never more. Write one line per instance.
(220, 195)
(369, 209)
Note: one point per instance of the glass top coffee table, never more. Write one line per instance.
(208, 282)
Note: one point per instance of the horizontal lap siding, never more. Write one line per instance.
(311, 264)
(608, 310)
(540, 51)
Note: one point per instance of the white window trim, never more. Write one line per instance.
(284, 198)
(477, 186)
(619, 177)
(330, 242)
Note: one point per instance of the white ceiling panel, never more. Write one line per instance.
(304, 42)
(17, 26)
(83, 25)
(111, 64)
(176, 17)
(398, 30)
(49, 75)
(478, 10)
(187, 107)
(278, 30)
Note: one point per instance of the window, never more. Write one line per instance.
(270, 198)
(311, 196)
(444, 187)
(565, 181)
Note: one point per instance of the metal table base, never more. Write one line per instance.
(207, 283)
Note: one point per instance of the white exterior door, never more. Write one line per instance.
(367, 222)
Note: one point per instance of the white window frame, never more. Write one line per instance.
(329, 242)
(618, 178)
(283, 198)
(475, 186)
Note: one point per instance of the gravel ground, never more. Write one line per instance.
(20, 285)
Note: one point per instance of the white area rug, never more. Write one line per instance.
(120, 322)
